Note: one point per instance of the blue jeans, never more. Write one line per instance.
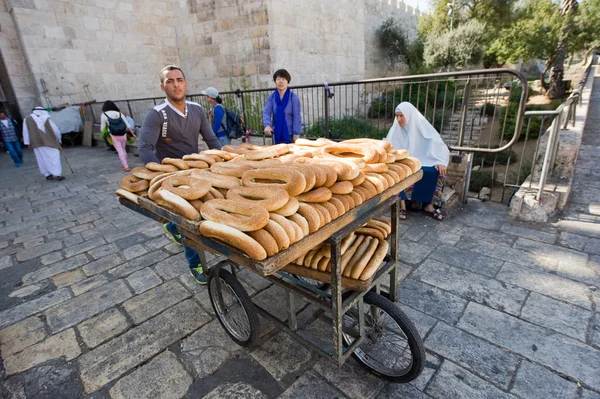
(191, 254)
(14, 148)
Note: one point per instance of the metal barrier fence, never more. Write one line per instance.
(476, 111)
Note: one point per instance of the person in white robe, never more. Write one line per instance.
(42, 134)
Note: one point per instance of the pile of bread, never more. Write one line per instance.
(263, 199)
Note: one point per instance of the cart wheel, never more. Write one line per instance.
(233, 308)
(315, 283)
(392, 349)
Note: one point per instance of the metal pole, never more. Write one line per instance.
(555, 126)
(326, 106)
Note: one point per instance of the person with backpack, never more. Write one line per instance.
(117, 126)
(217, 115)
(282, 116)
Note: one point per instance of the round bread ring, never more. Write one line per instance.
(233, 237)
(233, 149)
(362, 192)
(197, 204)
(350, 200)
(161, 177)
(199, 157)
(358, 181)
(127, 195)
(311, 216)
(177, 204)
(157, 167)
(367, 153)
(362, 262)
(324, 211)
(294, 181)
(342, 187)
(370, 188)
(375, 168)
(375, 226)
(196, 164)
(218, 192)
(301, 222)
(324, 141)
(266, 241)
(343, 170)
(229, 169)
(309, 143)
(286, 224)
(400, 154)
(344, 200)
(371, 231)
(412, 163)
(290, 208)
(321, 216)
(208, 197)
(386, 145)
(357, 198)
(299, 234)
(386, 228)
(351, 251)
(178, 163)
(331, 209)
(394, 175)
(389, 179)
(375, 261)
(231, 213)
(346, 242)
(319, 172)
(384, 222)
(142, 173)
(279, 234)
(407, 170)
(215, 180)
(376, 181)
(390, 158)
(309, 175)
(330, 173)
(358, 255)
(220, 153)
(354, 164)
(339, 206)
(309, 256)
(196, 188)
(399, 170)
(321, 194)
(383, 180)
(267, 152)
(269, 198)
(133, 184)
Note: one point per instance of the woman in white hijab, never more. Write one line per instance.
(411, 131)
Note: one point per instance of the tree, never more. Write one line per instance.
(393, 42)
(586, 30)
(557, 87)
(457, 49)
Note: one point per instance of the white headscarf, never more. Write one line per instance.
(40, 116)
(418, 137)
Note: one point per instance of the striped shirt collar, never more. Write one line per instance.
(184, 115)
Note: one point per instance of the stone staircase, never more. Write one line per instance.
(473, 126)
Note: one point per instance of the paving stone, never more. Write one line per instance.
(103, 251)
(538, 344)
(143, 280)
(401, 391)
(558, 316)
(281, 356)
(454, 382)
(26, 309)
(35, 233)
(191, 284)
(134, 251)
(432, 365)
(413, 253)
(274, 300)
(51, 258)
(72, 240)
(416, 232)
(32, 253)
(235, 390)
(431, 300)
(585, 394)
(352, 379)
(471, 286)
(134, 240)
(571, 240)
(68, 278)
(259, 283)
(103, 327)
(102, 264)
(526, 232)
(150, 303)
(422, 322)
(311, 385)
(438, 237)
(83, 247)
(21, 335)
(164, 377)
(156, 243)
(586, 272)
(57, 268)
(546, 284)
(172, 267)
(26, 291)
(138, 263)
(472, 353)
(467, 260)
(553, 251)
(33, 242)
(116, 357)
(5, 262)
(487, 236)
(60, 345)
(535, 382)
(592, 246)
(595, 333)
(84, 306)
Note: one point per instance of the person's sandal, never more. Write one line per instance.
(437, 214)
(402, 214)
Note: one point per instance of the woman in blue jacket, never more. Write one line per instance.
(282, 116)
(217, 115)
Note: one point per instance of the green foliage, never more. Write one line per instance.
(457, 49)
(519, 177)
(393, 42)
(346, 128)
(586, 32)
(489, 109)
(479, 180)
(500, 158)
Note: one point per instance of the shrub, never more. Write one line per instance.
(480, 179)
(489, 109)
(346, 128)
(500, 158)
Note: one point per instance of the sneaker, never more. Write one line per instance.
(59, 178)
(176, 238)
(199, 275)
(126, 169)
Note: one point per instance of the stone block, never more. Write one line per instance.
(352, 379)
(311, 385)
(102, 264)
(431, 300)
(27, 290)
(235, 389)
(467, 260)
(60, 345)
(115, 358)
(143, 280)
(401, 391)
(571, 240)
(22, 335)
(150, 303)
(134, 251)
(50, 258)
(57, 268)
(172, 267)
(86, 305)
(5, 262)
(38, 251)
(138, 263)
(474, 354)
(68, 278)
(29, 308)
(556, 252)
(103, 327)
(283, 357)
(422, 322)
(163, 377)
(471, 286)
(525, 207)
(274, 300)
(592, 246)
(413, 253)
(83, 247)
(530, 233)
(509, 254)
(558, 352)
(535, 382)
(105, 250)
(89, 284)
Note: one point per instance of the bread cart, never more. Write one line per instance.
(379, 335)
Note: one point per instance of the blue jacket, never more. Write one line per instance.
(219, 124)
(293, 113)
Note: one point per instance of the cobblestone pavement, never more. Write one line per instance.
(96, 302)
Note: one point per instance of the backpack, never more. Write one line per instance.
(117, 126)
(234, 127)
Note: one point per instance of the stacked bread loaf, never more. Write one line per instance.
(263, 199)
